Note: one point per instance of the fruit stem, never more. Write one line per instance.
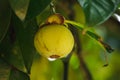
(65, 76)
(66, 66)
(81, 26)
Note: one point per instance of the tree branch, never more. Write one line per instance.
(86, 73)
(66, 66)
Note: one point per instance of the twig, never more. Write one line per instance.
(86, 73)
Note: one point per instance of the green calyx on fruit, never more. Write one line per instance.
(54, 40)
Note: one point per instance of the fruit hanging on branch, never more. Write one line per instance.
(54, 40)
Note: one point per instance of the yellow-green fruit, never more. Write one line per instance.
(54, 41)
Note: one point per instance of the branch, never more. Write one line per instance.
(86, 73)
(66, 66)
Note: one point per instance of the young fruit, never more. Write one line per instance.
(54, 41)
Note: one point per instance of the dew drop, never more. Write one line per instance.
(51, 59)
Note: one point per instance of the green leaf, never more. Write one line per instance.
(36, 7)
(4, 70)
(5, 15)
(44, 15)
(98, 11)
(18, 75)
(92, 35)
(100, 41)
(10, 50)
(20, 7)
(25, 34)
(8, 72)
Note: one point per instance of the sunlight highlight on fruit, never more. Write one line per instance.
(51, 59)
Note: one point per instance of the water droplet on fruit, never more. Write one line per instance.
(51, 59)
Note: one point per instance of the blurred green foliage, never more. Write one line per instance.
(19, 20)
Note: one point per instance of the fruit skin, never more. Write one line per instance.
(54, 41)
